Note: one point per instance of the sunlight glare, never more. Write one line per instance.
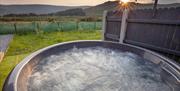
(125, 1)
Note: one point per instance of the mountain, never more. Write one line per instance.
(70, 12)
(59, 10)
(114, 5)
(99, 9)
(34, 8)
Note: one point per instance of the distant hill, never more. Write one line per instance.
(70, 12)
(98, 10)
(37, 9)
(114, 5)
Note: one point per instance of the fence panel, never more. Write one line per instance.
(160, 33)
(27, 27)
(113, 26)
(6, 28)
(48, 26)
(24, 27)
(87, 26)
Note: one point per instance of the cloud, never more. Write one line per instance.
(74, 2)
(169, 1)
(160, 1)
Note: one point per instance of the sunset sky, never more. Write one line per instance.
(72, 2)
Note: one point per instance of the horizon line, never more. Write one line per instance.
(50, 5)
(68, 5)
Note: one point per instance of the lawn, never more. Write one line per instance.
(23, 45)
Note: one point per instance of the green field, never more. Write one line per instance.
(23, 45)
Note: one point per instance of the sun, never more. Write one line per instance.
(125, 1)
(124, 4)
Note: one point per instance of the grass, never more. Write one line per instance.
(23, 45)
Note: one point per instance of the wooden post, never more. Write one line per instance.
(77, 25)
(58, 26)
(95, 25)
(155, 8)
(123, 25)
(1, 56)
(15, 28)
(104, 24)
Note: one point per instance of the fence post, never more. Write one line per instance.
(104, 24)
(38, 28)
(1, 56)
(123, 25)
(59, 27)
(77, 25)
(94, 25)
(15, 28)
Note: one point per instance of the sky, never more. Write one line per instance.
(73, 2)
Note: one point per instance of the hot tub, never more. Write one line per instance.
(18, 78)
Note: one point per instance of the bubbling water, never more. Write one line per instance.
(96, 69)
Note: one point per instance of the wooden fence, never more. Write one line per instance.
(159, 33)
(112, 25)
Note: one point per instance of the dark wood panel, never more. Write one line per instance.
(160, 33)
(113, 28)
(152, 47)
(154, 21)
(162, 14)
(114, 19)
(111, 36)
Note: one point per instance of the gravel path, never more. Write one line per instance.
(4, 42)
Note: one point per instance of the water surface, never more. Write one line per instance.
(96, 69)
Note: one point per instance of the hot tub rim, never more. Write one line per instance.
(14, 74)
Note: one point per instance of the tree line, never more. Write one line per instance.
(70, 12)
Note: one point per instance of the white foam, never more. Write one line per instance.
(96, 69)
